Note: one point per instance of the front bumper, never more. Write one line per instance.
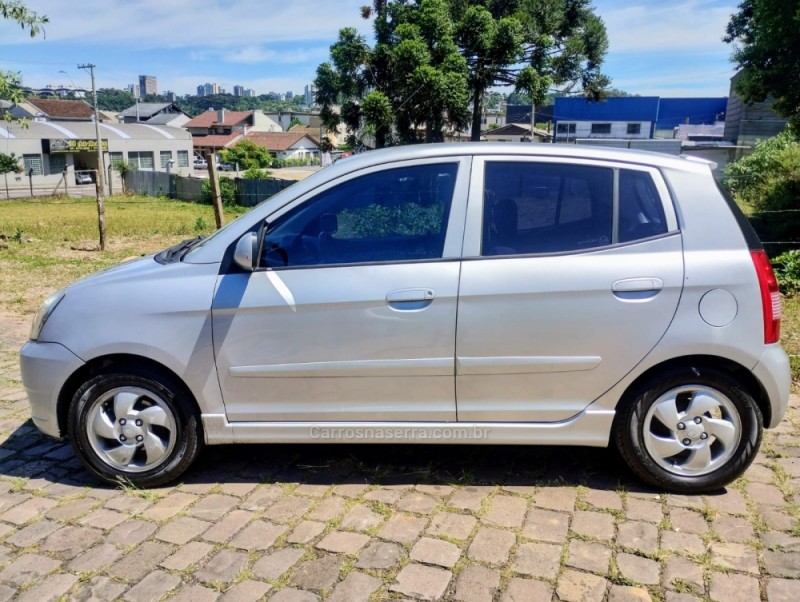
(775, 374)
(45, 367)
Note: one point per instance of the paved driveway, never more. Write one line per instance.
(293, 523)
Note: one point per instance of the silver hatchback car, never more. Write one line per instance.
(470, 293)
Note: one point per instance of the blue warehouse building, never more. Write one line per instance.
(632, 117)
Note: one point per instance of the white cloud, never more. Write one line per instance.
(193, 23)
(259, 54)
(684, 82)
(688, 25)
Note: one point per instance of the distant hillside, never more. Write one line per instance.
(119, 100)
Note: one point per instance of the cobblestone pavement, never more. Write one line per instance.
(348, 523)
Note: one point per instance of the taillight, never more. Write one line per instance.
(770, 296)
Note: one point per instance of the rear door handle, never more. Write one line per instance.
(637, 285)
(637, 289)
(410, 298)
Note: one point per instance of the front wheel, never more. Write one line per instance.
(134, 428)
(689, 430)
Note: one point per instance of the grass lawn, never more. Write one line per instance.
(50, 242)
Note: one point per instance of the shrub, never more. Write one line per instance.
(227, 191)
(763, 178)
(767, 183)
(254, 173)
(787, 270)
(247, 154)
(200, 225)
(123, 168)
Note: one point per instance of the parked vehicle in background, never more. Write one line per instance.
(200, 164)
(84, 177)
(603, 296)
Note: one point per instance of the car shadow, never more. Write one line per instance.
(28, 454)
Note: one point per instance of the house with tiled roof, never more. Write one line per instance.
(213, 131)
(336, 138)
(516, 132)
(51, 109)
(155, 113)
(287, 145)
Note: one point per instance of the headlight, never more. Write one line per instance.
(44, 311)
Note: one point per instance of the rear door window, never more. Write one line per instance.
(546, 208)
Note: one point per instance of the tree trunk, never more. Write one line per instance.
(477, 115)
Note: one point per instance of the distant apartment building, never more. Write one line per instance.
(51, 90)
(242, 91)
(170, 96)
(310, 93)
(208, 89)
(148, 84)
(134, 90)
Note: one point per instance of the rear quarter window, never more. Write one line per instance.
(641, 210)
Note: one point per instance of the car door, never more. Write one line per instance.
(572, 272)
(351, 315)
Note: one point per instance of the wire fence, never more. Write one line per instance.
(239, 191)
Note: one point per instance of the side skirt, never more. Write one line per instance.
(590, 428)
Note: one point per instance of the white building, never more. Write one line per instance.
(51, 151)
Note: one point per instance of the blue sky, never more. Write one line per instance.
(668, 49)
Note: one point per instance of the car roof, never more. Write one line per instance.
(573, 151)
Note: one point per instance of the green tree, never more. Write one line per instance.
(377, 111)
(111, 99)
(247, 154)
(412, 78)
(14, 10)
(767, 47)
(490, 45)
(343, 80)
(9, 164)
(533, 45)
(123, 168)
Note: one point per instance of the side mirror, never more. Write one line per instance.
(246, 254)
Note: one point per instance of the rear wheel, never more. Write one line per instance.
(689, 430)
(135, 428)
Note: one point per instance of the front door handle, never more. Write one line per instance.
(410, 298)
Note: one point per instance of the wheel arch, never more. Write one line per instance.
(736, 370)
(138, 364)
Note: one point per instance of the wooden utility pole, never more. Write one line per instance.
(216, 194)
(101, 167)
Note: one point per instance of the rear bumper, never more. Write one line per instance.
(776, 377)
(45, 367)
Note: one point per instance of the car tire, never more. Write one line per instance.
(691, 430)
(134, 428)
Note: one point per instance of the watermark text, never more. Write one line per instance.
(404, 433)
